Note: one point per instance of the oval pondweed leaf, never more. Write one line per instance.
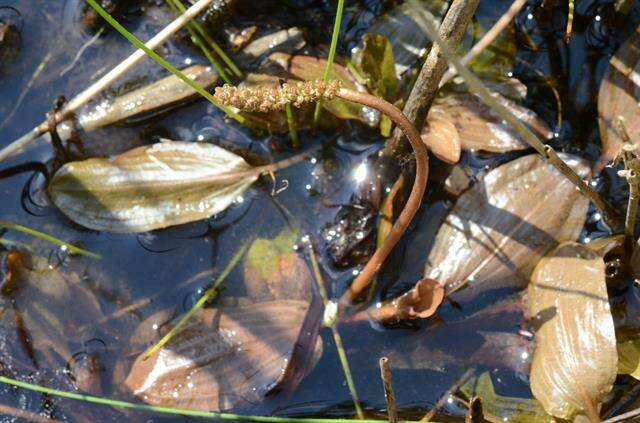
(575, 361)
(502, 226)
(618, 97)
(151, 187)
(224, 358)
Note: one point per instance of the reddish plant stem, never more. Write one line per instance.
(365, 277)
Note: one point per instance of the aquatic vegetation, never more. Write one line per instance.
(277, 262)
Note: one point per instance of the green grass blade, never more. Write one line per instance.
(291, 123)
(168, 66)
(332, 54)
(53, 240)
(208, 295)
(203, 33)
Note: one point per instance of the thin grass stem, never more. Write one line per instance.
(174, 411)
(199, 42)
(342, 355)
(476, 86)
(207, 296)
(291, 123)
(337, 23)
(51, 239)
(389, 395)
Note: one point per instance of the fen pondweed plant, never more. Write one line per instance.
(300, 93)
(609, 214)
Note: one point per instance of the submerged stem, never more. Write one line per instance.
(477, 87)
(337, 339)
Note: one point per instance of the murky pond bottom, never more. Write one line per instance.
(76, 323)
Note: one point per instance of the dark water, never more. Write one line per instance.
(162, 264)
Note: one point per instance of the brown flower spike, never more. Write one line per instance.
(271, 99)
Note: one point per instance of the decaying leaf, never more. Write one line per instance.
(419, 302)
(153, 97)
(309, 68)
(273, 270)
(441, 137)
(618, 97)
(498, 409)
(575, 360)
(150, 187)
(224, 358)
(478, 127)
(499, 229)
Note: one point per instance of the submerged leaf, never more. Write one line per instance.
(503, 225)
(273, 270)
(375, 61)
(150, 187)
(480, 128)
(224, 358)
(499, 409)
(618, 97)
(575, 360)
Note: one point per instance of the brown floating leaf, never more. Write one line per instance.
(575, 361)
(479, 128)
(150, 187)
(420, 302)
(158, 95)
(618, 97)
(223, 358)
(441, 137)
(502, 226)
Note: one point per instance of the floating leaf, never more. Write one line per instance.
(441, 137)
(419, 302)
(575, 360)
(501, 227)
(273, 270)
(157, 97)
(479, 127)
(309, 68)
(150, 187)
(498, 409)
(223, 358)
(618, 97)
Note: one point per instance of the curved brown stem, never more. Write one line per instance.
(363, 279)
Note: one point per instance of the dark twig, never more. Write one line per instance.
(625, 417)
(426, 86)
(389, 396)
